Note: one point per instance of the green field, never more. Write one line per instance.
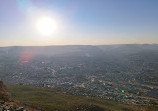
(57, 100)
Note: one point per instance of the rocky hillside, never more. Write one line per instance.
(6, 103)
(4, 95)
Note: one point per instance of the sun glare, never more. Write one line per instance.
(46, 26)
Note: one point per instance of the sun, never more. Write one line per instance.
(46, 26)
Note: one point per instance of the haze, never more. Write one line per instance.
(90, 22)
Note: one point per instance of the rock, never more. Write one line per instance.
(7, 107)
(1, 109)
(2, 102)
(20, 109)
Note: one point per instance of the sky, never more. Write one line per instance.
(79, 22)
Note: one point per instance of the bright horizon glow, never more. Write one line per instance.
(46, 26)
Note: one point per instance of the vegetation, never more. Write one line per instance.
(49, 99)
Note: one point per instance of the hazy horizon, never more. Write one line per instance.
(76, 45)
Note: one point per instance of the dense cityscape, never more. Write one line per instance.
(122, 73)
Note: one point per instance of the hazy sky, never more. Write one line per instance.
(79, 21)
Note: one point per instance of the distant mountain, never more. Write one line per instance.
(79, 49)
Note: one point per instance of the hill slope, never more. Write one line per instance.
(57, 100)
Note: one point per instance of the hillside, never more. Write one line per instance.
(4, 95)
(48, 99)
(7, 103)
